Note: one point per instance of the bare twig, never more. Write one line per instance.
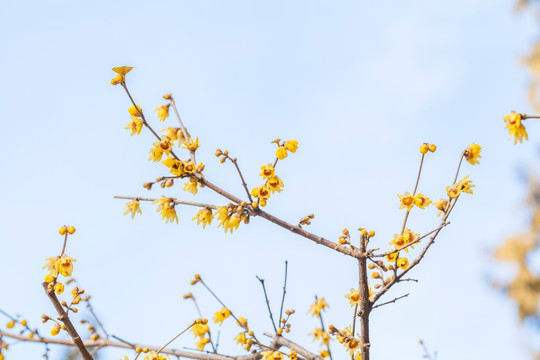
(284, 292)
(91, 309)
(126, 345)
(267, 303)
(176, 201)
(282, 341)
(390, 302)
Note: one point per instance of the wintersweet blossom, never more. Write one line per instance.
(168, 212)
(135, 125)
(318, 306)
(472, 154)
(515, 126)
(406, 201)
(204, 217)
(133, 207)
(163, 112)
(221, 315)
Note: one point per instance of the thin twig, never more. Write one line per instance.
(184, 131)
(176, 201)
(267, 303)
(235, 162)
(91, 309)
(219, 300)
(284, 292)
(390, 302)
(176, 337)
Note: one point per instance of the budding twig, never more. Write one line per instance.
(267, 303)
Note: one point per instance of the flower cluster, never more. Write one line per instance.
(232, 215)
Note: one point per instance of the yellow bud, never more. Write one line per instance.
(10, 324)
(55, 330)
(62, 230)
(167, 96)
(375, 275)
(424, 148)
(371, 266)
(24, 323)
(59, 288)
(114, 82)
(432, 147)
(371, 233)
(49, 278)
(222, 160)
(219, 152)
(94, 337)
(31, 335)
(145, 350)
(71, 230)
(287, 330)
(345, 231)
(63, 327)
(283, 320)
(364, 232)
(138, 350)
(279, 331)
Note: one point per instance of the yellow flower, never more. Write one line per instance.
(191, 186)
(241, 338)
(272, 355)
(274, 184)
(319, 305)
(465, 185)
(321, 335)
(133, 207)
(403, 263)
(166, 209)
(421, 201)
(515, 127)
(200, 330)
(242, 321)
(392, 257)
(135, 125)
(176, 166)
(262, 192)
(232, 223)
(191, 145)
(175, 134)
(453, 191)
(472, 154)
(189, 167)
(291, 145)
(267, 171)
(160, 147)
(354, 297)
(406, 201)
(441, 205)
(281, 152)
(163, 111)
(352, 345)
(204, 217)
(62, 265)
(401, 240)
(324, 354)
(135, 111)
(293, 355)
(152, 355)
(122, 70)
(221, 315)
(59, 288)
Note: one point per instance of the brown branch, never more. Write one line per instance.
(281, 341)
(64, 318)
(176, 201)
(235, 162)
(365, 303)
(268, 303)
(106, 342)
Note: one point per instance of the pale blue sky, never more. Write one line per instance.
(359, 84)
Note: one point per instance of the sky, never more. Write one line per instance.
(359, 84)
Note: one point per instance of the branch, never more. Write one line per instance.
(106, 342)
(390, 302)
(267, 303)
(63, 317)
(281, 341)
(176, 201)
